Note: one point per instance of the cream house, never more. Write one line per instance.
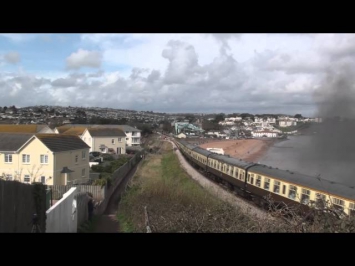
(105, 140)
(52, 159)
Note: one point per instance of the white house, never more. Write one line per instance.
(287, 123)
(264, 134)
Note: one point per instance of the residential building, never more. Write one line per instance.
(287, 123)
(264, 134)
(52, 159)
(133, 135)
(105, 140)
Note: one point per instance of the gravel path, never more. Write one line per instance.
(215, 189)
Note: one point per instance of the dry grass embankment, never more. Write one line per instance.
(176, 203)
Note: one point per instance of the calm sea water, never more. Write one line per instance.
(294, 155)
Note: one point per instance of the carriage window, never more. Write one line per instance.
(292, 192)
(338, 203)
(351, 209)
(320, 200)
(252, 179)
(258, 181)
(305, 196)
(284, 189)
(248, 179)
(267, 183)
(243, 176)
(276, 186)
(232, 171)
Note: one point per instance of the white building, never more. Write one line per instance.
(287, 123)
(264, 134)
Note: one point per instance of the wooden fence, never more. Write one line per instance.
(17, 207)
(97, 192)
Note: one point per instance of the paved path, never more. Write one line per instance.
(108, 223)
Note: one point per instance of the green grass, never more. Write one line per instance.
(125, 225)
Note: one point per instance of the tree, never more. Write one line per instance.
(218, 118)
(298, 116)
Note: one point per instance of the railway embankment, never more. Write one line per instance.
(162, 197)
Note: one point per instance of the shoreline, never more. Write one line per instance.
(250, 150)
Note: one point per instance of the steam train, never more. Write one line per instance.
(260, 183)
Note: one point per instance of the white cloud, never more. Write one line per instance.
(84, 58)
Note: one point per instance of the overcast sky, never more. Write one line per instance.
(256, 73)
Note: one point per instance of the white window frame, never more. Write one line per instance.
(277, 184)
(307, 194)
(83, 172)
(44, 156)
(76, 159)
(43, 182)
(119, 139)
(7, 158)
(113, 141)
(258, 181)
(338, 202)
(293, 189)
(83, 155)
(27, 157)
(26, 176)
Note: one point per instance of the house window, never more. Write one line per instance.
(127, 138)
(119, 139)
(305, 196)
(83, 172)
(267, 183)
(338, 203)
(276, 186)
(292, 192)
(25, 158)
(27, 179)
(43, 179)
(258, 181)
(76, 158)
(8, 158)
(83, 155)
(113, 141)
(44, 159)
(8, 177)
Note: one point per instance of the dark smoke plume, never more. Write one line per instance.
(331, 151)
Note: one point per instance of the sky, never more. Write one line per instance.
(203, 73)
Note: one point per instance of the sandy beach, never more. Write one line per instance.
(246, 149)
